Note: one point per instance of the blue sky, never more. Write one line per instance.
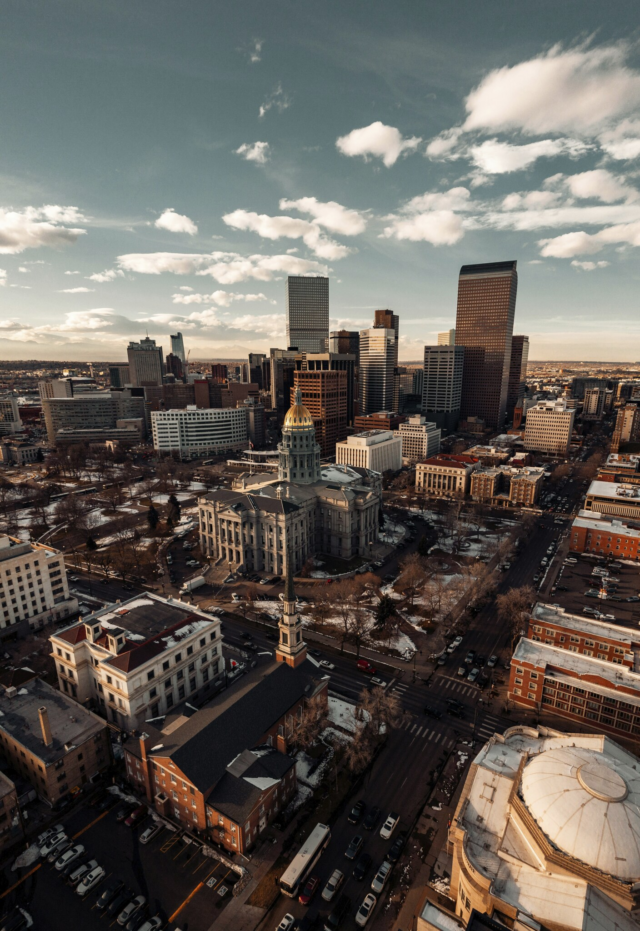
(165, 165)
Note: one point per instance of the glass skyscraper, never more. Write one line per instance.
(307, 313)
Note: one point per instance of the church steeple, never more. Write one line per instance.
(291, 649)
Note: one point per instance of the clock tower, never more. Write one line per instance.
(291, 648)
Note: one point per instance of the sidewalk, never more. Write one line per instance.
(237, 915)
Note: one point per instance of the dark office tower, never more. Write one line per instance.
(256, 361)
(324, 394)
(517, 374)
(387, 320)
(345, 341)
(146, 365)
(442, 385)
(484, 326)
(174, 366)
(219, 372)
(307, 313)
(283, 364)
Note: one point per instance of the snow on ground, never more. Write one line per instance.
(388, 590)
(319, 574)
(403, 644)
(302, 795)
(331, 735)
(392, 532)
(305, 772)
(342, 713)
(27, 857)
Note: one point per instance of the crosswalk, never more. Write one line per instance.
(485, 728)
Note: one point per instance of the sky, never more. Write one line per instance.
(164, 166)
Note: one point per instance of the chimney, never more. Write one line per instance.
(46, 727)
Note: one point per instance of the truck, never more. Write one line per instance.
(192, 584)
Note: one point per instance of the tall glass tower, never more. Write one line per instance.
(307, 313)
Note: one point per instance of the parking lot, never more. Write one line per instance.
(181, 885)
(575, 579)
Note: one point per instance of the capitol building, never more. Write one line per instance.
(309, 510)
(546, 834)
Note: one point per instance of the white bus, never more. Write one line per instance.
(304, 861)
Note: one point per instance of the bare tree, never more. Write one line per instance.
(359, 625)
(514, 607)
(413, 576)
(312, 721)
(381, 711)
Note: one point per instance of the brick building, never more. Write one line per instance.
(324, 394)
(381, 420)
(591, 534)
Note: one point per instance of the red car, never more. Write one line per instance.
(137, 815)
(309, 890)
(365, 666)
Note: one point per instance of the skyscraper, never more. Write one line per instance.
(324, 394)
(447, 338)
(177, 347)
(442, 385)
(146, 366)
(517, 374)
(389, 321)
(378, 355)
(256, 368)
(344, 341)
(307, 313)
(484, 326)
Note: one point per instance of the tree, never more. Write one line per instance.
(359, 626)
(423, 547)
(173, 509)
(514, 607)
(91, 544)
(386, 609)
(312, 721)
(381, 711)
(413, 576)
(152, 517)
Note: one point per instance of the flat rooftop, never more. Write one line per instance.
(540, 654)
(618, 491)
(547, 614)
(70, 723)
(605, 526)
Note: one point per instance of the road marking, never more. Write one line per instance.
(438, 736)
(186, 902)
(208, 876)
(413, 728)
(20, 881)
(430, 735)
(418, 732)
(91, 824)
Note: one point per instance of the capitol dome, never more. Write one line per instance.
(588, 805)
(297, 417)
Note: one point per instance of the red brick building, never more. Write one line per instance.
(605, 538)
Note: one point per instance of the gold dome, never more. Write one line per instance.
(297, 415)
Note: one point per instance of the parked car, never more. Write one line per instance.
(109, 893)
(357, 812)
(90, 881)
(371, 820)
(124, 811)
(333, 884)
(69, 856)
(462, 671)
(151, 924)
(118, 902)
(49, 833)
(379, 881)
(362, 867)
(309, 890)
(59, 849)
(354, 847)
(81, 871)
(389, 826)
(364, 912)
(51, 843)
(473, 675)
(137, 815)
(133, 909)
(287, 923)
(396, 848)
(339, 913)
(469, 658)
(150, 832)
(492, 661)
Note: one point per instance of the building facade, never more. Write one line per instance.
(590, 534)
(10, 421)
(420, 439)
(380, 420)
(445, 475)
(307, 300)
(484, 326)
(193, 432)
(139, 659)
(334, 362)
(119, 376)
(442, 385)
(447, 338)
(345, 342)
(324, 393)
(613, 499)
(378, 360)
(146, 365)
(627, 428)
(101, 410)
(548, 428)
(177, 347)
(33, 586)
(517, 375)
(378, 450)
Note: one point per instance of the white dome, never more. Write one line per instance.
(588, 805)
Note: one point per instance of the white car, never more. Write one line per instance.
(150, 832)
(51, 843)
(326, 664)
(376, 680)
(214, 610)
(333, 884)
(364, 912)
(389, 826)
(286, 923)
(69, 856)
(379, 881)
(133, 908)
(50, 832)
(264, 581)
(457, 641)
(90, 880)
(78, 874)
(152, 924)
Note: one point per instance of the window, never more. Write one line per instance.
(165, 665)
(178, 657)
(181, 692)
(203, 641)
(153, 692)
(189, 650)
(151, 675)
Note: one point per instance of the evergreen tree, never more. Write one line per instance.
(152, 517)
(91, 544)
(173, 509)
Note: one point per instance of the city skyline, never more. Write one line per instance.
(171, 171)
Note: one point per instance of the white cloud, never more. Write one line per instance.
(378, 141)
(563, 90)
(431, 217)
(580, 243)
(24, 270)
(623, 141)
(456, 198)
(589, 266)
(76, 290)
(443, 145)
(3, 277)
(72, 273)
(526, 200)
(176, 222)
(331, 215)
(255, 152)
(38, 226)
(494, 157)
(600, 184)
(225, 267)
(566, 214)
(221, 298)
(277, 99)
(255, 51)
(107, 275)
(289, 228)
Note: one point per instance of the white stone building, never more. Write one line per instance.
(445, 476)
(420, 439)
(548, 428)
(33, 586)
(194, 432)
(137, 660)
(378, 450)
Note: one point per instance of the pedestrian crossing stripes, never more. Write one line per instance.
(454, 686)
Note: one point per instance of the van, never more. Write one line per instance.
(571, 561)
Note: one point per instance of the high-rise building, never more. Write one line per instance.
(10, 421)
(256, 368)
(627, 428)
(517, 374)
(145, 363)
(256, 427)
(484, 326)
(219, 372)
(387, 320)
(177, 346)
(420, 439)
(593, 403)
(324, 394)
(192, 432)
(334, 362)
(447, 338)
(442, 385)
(31, 607)
(307, 301)
(119, 376)
(283, 365)
(175, 366)
(345, 341)
(549, 427)
(378, 359)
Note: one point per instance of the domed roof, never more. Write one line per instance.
(297, 416)
(588, 805)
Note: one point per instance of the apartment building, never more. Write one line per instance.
(51, 740)
(192, 432)
(33, 586)
(139, 659)
(627, 428)
(591, 534)
(225, 771)
(90, 412)
(445, 475)
(507, 486)
(380, 420)
(10, 421)
(420, 440)
(548, 428)
(442, 384)
(613, 499)
(378, 450)
(554, 626)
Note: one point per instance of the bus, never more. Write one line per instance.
(304, 861)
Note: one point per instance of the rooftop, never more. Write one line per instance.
(71, 724)
(12, 547)
(617, 490)
(548, 614)
(605, 525)
(541, 655)
(450, 461)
